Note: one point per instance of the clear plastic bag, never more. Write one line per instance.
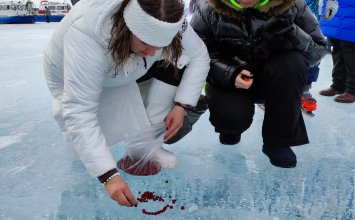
(140, 151)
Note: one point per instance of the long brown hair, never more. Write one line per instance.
(165, 10)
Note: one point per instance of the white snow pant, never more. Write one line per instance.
(126, 114)
(158, 98)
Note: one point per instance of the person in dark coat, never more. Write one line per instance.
(260, 53)
(48, 14)
(341, 33)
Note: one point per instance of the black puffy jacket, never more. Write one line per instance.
(240, 39)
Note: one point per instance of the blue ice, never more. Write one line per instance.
(38, 180)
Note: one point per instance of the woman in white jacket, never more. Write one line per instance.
(91, 65)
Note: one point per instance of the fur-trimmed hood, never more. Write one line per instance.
(273, 7)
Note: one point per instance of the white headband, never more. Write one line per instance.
(149, 29)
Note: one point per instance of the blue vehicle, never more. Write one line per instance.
(57, 11)
(17, 12)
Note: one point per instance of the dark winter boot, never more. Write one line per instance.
(345, 98)
(329, 92)
(229, 138)
(281, 157)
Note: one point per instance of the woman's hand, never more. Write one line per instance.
(174, 121)
(243, 80)
(118, 190)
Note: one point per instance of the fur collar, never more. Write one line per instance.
(273, 7)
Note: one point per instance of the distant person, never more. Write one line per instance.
(48, 14)
(341, 33)
(91, 65)
(29, 7)
(260, 52)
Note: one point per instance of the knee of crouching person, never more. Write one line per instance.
(291, 65)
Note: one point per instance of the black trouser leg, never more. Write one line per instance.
(339, 70)
(348, 50)
(230, 111)
(282, 81)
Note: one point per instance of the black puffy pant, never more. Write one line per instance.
(344, 66)
(279, 85)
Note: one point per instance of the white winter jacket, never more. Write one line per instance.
(94, 109)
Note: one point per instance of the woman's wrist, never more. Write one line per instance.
(184, 106)
(104, 178)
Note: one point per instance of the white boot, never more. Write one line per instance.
(165, 158)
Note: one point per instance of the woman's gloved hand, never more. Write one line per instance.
(331, 8)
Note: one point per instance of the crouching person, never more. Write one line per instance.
(260, 52)
(91, 65)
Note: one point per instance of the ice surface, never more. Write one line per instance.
(38, 180)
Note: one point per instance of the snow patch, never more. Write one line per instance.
(17, 83)
(18, 169)
(6, 141)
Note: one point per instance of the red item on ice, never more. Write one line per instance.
(309, 105)
(157, 212)
(151, 196)
(146, 196)
(138, 168)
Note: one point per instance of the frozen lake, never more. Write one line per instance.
(38, 180)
